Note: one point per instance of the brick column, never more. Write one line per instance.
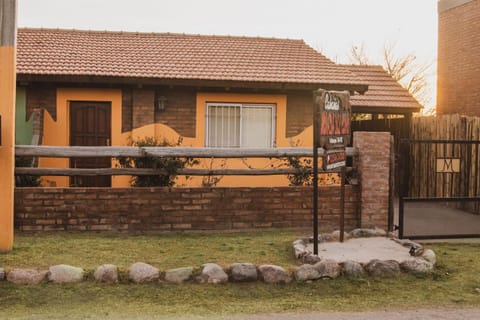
(374, 169)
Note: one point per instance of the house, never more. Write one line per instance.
(102, 88)
(458, 73)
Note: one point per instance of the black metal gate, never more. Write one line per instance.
(439, 189)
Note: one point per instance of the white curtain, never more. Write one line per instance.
(256, 127)
(247, 126)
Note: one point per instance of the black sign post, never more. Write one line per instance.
(316, 145)
(331, 131)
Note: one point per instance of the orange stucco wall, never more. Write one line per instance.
(57, 133)
(7, 163)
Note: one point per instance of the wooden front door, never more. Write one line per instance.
(90, 126)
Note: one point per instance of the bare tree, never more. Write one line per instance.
(405, 69)
(358, 55)
(409, 72)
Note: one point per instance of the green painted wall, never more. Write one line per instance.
(23, 128)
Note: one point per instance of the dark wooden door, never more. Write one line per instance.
(90, 126)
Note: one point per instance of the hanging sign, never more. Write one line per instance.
(335, 114)
(334, 159)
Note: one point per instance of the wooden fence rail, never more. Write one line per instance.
(87, 152)
(137, 152)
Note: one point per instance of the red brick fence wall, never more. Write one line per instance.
(156, 209)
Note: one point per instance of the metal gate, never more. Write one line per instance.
(439, 189)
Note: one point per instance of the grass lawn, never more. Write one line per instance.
(453, 283)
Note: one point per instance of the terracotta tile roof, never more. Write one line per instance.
(174, 56)
(383, 90)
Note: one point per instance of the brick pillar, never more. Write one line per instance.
(374, 169)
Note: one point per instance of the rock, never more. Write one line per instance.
(430, 256)
(64, 273)
(353, 269)
(26, 276)
(392, 234)
(336, 235)
(107, 273)
(179, 275)
(310, 258)
(213, 273)
(299, 250)
(274, 274)
(383, 268)
(328, 269)
(306, 272)
(416, 266)
(407, 243)
(325, 237)
(140, 272)
(244, 272)
(363, 233)
(380, 232)
(2, 274)
(300, 241)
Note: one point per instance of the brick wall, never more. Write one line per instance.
(458, 52)
(373, 165)
(143, 110)
(41, 97)
(157, 209)
(180, 111)
(299, 112)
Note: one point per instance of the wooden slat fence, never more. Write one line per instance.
(456, 137)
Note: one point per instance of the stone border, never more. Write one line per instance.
(422, 261)
(141, 272)
(313, 268)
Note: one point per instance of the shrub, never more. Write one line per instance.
(170, 165)
(26, 180)
(303, 175)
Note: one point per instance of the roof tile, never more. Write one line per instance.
(175, 56)
(383, 90)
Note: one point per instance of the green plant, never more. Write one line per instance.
(303, 174)
(168, 165)
(26, 180)
(211, 180)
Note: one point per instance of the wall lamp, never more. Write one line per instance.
(160, 103)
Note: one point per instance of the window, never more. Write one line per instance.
(240, 125)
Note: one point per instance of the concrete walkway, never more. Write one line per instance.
(438, 219)
(362, 250)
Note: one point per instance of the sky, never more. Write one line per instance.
(329, 26)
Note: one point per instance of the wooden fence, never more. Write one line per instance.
(448, 139)
(223, 153)
(445, 127)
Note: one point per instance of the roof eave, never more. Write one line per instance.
(139, 81)
(385, 109)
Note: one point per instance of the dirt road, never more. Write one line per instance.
(422, 314)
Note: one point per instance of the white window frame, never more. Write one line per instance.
(241, 106)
